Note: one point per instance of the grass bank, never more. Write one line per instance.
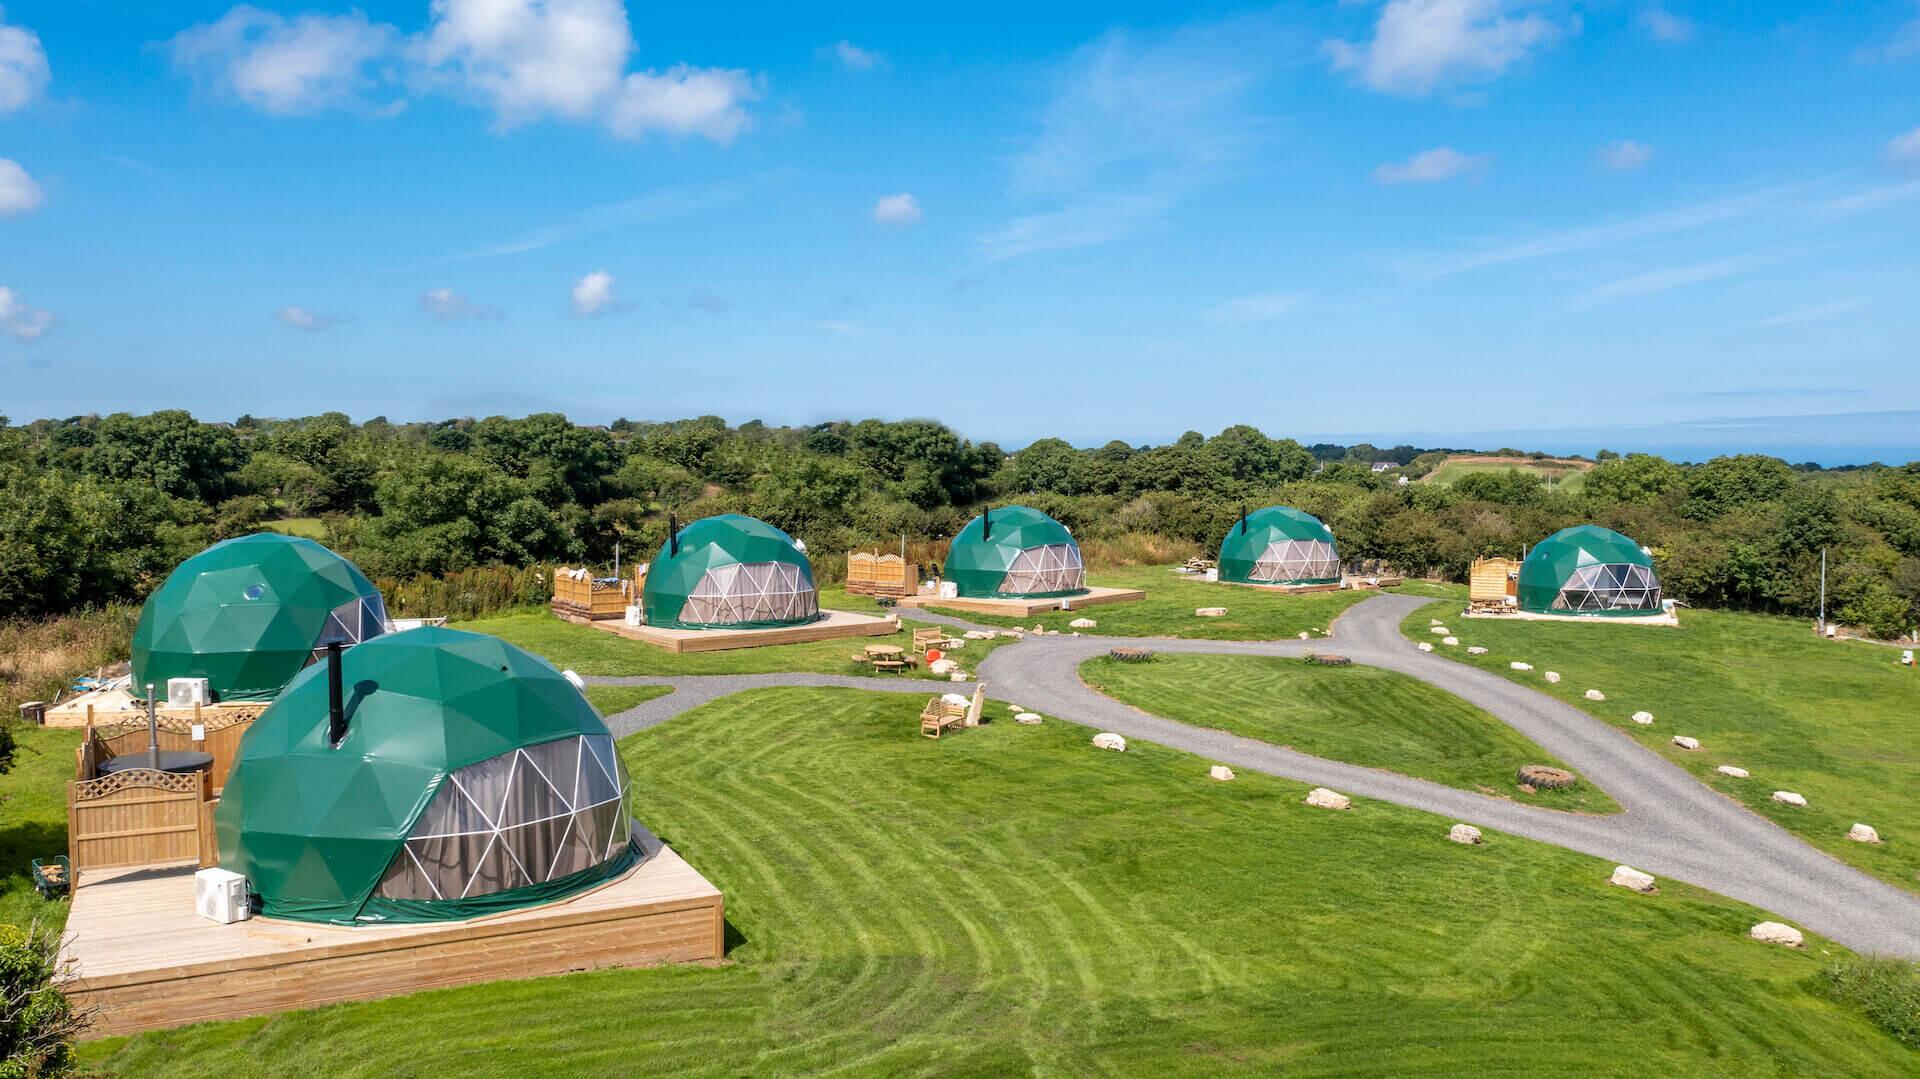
(1011, 900)
(1360, 715)
(1832, 720)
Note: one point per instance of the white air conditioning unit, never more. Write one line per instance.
(220, 895)
(187, 692)
(949, 590)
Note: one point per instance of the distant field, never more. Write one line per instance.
(304, 527)
(1564, 475)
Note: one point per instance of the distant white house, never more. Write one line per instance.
(1382, 466)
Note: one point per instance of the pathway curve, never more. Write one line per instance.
(1673, 825)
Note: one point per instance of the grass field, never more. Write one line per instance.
(1252, 615)
(591, 651)
(33, 820)
(1361, 715)
(1012, 901)
(312, 528)
(1562, 477)
(612, 700)
(1838, 722)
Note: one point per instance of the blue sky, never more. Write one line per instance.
(1551, 223)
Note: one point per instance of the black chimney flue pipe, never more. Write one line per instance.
(336, 701)
(673, 536)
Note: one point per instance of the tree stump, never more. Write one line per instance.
(1326, 660)
(1542, 778)
(1130, 655)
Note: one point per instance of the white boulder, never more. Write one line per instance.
(955, 698)
(1519, 666)
(1082, 623)
(957, 676)
(1220, 772)
(1776, 933)
(942, 666)
(1476, 650)
(1594, 695)
(1790, 798)
(1684, 742)
(1863, 833)
(1643, 718)
(1209, 612)
(1304, 635)
(1016, 708)
(1628, 877)
(1030, 719)
(1433, 621)
(1438, 631)
(1426, 646)
(1109, 740)
(1038, 628)
(955, 646)
(1552, 677)
(1322, 798)
(1450, 641)
(1464, 833)
(1733, 770)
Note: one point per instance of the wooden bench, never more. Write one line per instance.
(941, 715)
(924, 639)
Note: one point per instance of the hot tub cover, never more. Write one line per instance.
(246, 614)
(473, 778)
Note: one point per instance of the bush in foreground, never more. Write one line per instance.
(1888, 990)
(37, 1023)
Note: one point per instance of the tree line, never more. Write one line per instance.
(98, 509)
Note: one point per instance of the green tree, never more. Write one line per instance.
(1637, 478)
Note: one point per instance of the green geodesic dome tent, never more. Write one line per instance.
(246, 614)
(1279, 545)
(472, 778)
(1587, 569)
(733, 572)
(1015, 552)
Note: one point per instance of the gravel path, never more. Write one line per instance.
(1673, 825)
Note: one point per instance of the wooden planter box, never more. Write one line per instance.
(590, 598)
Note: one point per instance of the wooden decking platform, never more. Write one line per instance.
(1665, 618)
(831, 626)
(1287, 589)
(143, 959)
(1024, 608)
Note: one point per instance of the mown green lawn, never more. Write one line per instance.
(612, 700)
(1252, 614)
(1360, 715)
(591, 651)
(1838, 722)
(312, 528)
(1011, 900)
(33, 820)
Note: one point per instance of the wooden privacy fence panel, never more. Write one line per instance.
(138, 817)
(1491, 580)
(579, 592)
(881, 575)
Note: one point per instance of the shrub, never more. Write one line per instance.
(1886, 989)
(37, 1023)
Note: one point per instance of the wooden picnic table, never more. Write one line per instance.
(878, 650)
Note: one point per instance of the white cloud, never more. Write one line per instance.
(20, 321)
(593, 294)
(524, 60)
(449, 306)
(285, 65)
(841, 327)
(1432, 166)
(901, 209)
(854, 58)
(1904, 43)
(1666, 27)
(1419, 44)
(23, 66)
(1905, 149)
(1257, 308)
(301, 318)
(1818, 311)
(1086, 223)
(19, 194)
(1625, 156)
(1673, 277)
(683, 101)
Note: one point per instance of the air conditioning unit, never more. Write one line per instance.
(220, 895)
(949, 590)
(187, 692)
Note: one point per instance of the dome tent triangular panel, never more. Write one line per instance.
(730, 571)
(1588, 570)
(1015, 552)
(444, 728)
(247, 614)
(1279, 545)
